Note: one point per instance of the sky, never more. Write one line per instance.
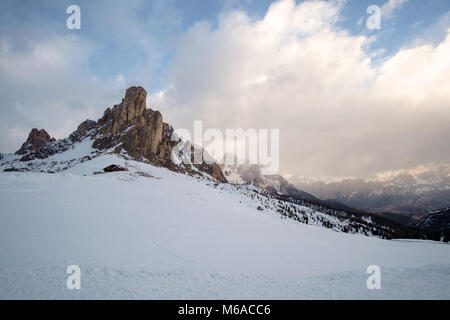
(348, 101)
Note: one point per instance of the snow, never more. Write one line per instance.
(79, 150)
(234, 177)
(150, 233)
(76, 154)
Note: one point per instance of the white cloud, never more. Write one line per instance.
(388, 8)
(47, 86)
(53, 78)
(296, 70)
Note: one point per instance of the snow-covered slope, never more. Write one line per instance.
(292, 205)
(153, 233)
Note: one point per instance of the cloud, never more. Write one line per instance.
(388, 8)
(46, 86)
(433, 33)
(54, 78)
(296, 70)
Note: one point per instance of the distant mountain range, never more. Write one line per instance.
(395, 186)
(418, 190)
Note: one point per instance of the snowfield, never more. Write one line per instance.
(149, 233)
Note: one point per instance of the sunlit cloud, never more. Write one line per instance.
(295, 69)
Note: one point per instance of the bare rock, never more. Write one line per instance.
(127, 113)
(132, 128)
(36, 139)
(16, 170)
(213, 170)
(83, 129)
(135, 102)
(141, 133)
(114, 168)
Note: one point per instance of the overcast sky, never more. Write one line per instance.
(349, 101)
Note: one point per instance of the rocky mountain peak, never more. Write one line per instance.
(128, 129)
(36, 139)
(141, 133)
(135, 102)
(133, 128)
(127, 113)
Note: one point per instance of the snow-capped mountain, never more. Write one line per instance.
(109, 199)
(252, 174)
(128, 129)
(413, 191)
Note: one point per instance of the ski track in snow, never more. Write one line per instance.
(171, 236)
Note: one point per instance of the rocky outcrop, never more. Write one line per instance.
(114, 168)
(36, 139)
(142, 134)
(83, 129)
(129, 129)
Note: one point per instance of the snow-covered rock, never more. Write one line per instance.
(127, 128)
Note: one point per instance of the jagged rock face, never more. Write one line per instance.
(36, 140)
(142, 134)
(129, 112)
(82, 130)
(87, 128)
(131, 127)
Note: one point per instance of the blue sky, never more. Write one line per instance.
(206, 60)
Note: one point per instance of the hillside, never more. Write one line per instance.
(152, 233)
(436, 225)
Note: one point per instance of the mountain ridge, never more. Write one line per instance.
(128, 129)
(418, 190)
